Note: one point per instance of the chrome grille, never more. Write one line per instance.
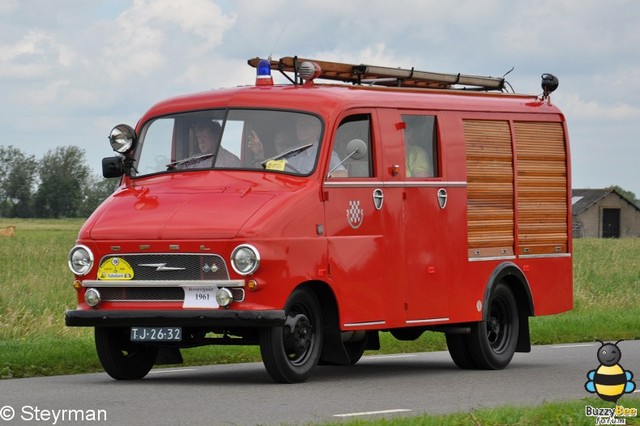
(178, 267)
(153, 294)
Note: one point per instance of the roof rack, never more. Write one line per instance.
(384, 76)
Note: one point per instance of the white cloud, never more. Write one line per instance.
(152, 35)
(8, 5)
(592, 109)
(71, 69)
(35, 55)
(377, 54)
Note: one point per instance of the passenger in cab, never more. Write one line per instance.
(418, 163)
(207, 134)
(307, 130)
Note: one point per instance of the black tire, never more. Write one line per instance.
(291, 353)
(121, 358)
(493, 343)
(459, 350)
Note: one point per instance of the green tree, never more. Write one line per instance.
(97, 191)
(17, 182)
(64, 178)
(630, 196)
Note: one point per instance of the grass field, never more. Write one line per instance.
(36, 289)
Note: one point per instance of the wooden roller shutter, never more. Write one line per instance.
(490, 216)
(542, 187)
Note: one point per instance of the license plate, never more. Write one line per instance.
(156, 334)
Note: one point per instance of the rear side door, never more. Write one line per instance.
(423, 224)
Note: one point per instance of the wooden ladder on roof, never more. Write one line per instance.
(385, 76)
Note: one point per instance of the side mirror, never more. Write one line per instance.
(357, 149)
(112, 167)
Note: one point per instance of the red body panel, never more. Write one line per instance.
(406, 265)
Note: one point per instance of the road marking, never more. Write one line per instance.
(389, 356)
(171, 371)
(371, 413)
(581, 345)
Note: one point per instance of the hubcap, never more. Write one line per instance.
(498, 326)
(494, 330)
(298, 336)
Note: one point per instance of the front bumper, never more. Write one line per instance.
(162, 318)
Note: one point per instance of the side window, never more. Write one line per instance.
(421, 145)
(352, 145)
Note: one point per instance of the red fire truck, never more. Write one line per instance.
(306, 218)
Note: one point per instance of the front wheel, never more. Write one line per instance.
(291, 353)
(120, 357)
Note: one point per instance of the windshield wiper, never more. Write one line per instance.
(289, 153)
(188, 160)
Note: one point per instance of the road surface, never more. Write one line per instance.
(243, 394)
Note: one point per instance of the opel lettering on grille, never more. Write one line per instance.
(162, 267)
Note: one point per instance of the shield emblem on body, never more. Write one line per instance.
(355, 214)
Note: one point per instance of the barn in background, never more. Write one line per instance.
(604, 213)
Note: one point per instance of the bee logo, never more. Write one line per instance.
(609, 381)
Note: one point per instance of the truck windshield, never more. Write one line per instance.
(276, 141)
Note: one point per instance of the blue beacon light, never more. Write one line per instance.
(263, 73)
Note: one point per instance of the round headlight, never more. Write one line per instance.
(122, 138)
(80, 260)
(92, 297)
(245, 259)
(224, 297)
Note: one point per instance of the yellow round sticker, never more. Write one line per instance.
(115, 269)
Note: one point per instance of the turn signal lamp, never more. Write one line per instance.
(263, 73)
(252, 285)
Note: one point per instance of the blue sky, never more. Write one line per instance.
(72, 69)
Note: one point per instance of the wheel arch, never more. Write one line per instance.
(510, 274)
(333, 350)
(327, 299)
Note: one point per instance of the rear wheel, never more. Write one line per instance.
(493, 343)
(291, 353)
(120, 357)
(459, 350)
